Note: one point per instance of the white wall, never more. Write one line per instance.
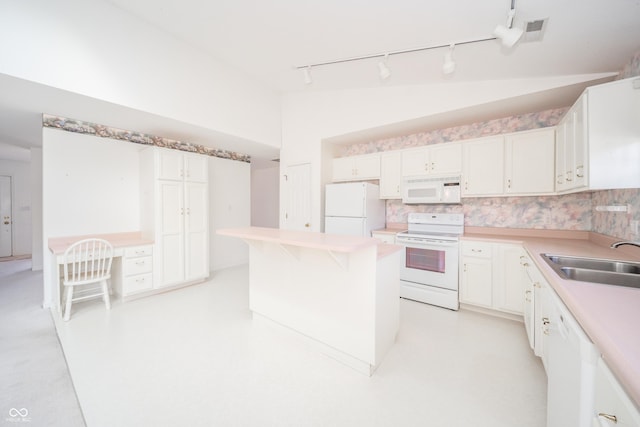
(95, 49)
(20, 173)
(90, 186)
(229, 206)
(265, 197)
(311, 117)
(36, 209)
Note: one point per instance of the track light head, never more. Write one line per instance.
(506, 33)
(449, 65)
(383, 69)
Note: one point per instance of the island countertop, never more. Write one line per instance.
(306, 239)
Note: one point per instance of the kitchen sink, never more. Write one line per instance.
(610, 272)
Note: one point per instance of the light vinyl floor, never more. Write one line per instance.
(195, 357)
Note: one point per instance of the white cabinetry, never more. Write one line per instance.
(356, 168)
(440, 159)
(391, 175)
(476, 273)
(612, 405)
(483, 167)
(175, 215)
(599, 139)
(491, 276)
(137, 270)
(537, 308)
(529, 165)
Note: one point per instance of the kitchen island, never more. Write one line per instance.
(340, 291)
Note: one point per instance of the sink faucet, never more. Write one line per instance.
(616, 244)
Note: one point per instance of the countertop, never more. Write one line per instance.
(609, 315)
(57, 245)
(310, 239)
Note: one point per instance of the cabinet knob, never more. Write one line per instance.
(307, 225)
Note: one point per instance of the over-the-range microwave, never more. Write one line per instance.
(421, 190)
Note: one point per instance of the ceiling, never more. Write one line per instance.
(267, 40)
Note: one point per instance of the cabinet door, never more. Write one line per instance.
(446, 159)
(476, 287)
(415, 162)
(483, 167)
(580, 161)
(509, 279)
(169, 258)
(170, 164)
(196, 168)
(196, 231)
(612, 401)
(368, 166)
(343, 169)
(391, 175)
(529, 165)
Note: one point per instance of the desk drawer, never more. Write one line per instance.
(137, 251)
(133, 284)
(133, 266)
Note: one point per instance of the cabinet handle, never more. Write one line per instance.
(545, 325)
(580, 171)
(140, 262)
(569, 177)
(188, 211)
(398, 189)
(140, 280)
(181, 172)
(609, 417)
(527, 296)
(476, 250)
(559, 180)
(181, 211)
(433, 166)
(464, 267)
(508, 183)
(466, 185)
(536, 285)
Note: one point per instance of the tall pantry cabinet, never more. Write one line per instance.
(174, 213)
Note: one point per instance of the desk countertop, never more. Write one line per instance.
(57, 245)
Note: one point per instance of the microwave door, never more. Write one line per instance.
(423, 194)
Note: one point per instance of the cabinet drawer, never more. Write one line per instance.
(138, 251)
(476, 249)
(133, 266)
(133, 284)
(385, 237)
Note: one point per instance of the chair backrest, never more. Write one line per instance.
(87, 261)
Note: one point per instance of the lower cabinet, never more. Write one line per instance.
(491, 276)
(612, 406)
(136, 270)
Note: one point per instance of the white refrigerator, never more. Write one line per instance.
(353, 208)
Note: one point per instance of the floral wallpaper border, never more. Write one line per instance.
(88, 128)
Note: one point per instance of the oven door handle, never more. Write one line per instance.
(422, 243)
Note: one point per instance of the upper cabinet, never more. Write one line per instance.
(598, 139)
(514, 164)
(356, 168)
(529, 165)
(440, 159)
(391, 175)
(176, 166)
(482, 167)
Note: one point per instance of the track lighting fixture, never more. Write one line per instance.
(506, 33)
(307, 75)
(383, 69)
(449, 65)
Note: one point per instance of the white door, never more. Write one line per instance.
(196, 231)
(5, 216)
(170, 266)
(297, 181)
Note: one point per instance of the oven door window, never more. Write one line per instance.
(426, 259)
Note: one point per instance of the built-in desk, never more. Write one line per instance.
(132, 269)
(342, 292)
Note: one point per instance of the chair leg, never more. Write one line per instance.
(105, 294)
(67, 306)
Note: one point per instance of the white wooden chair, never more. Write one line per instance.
(87, 266)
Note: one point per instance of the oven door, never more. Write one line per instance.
(432, 263)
